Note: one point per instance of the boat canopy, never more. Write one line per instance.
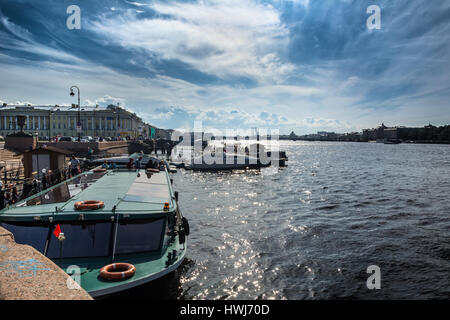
(124, 159)
(128, 193)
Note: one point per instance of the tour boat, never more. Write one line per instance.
(115, 229)
(255, 156)
(226, 162)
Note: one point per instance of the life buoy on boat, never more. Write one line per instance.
(99, 170)
(151, 170)
(89, 205)
(117, 271)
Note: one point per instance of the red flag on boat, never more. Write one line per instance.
(57, 230)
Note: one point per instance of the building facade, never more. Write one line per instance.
(374, 134)
(51, 121)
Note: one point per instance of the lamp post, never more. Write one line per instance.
(78, 117)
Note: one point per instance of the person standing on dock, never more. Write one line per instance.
(130, 164)
(138, 163)
(74, 163)
(44, 179)
(2, 196)
(161, 165)
(90, 152)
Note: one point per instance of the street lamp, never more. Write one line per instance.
(79, 117)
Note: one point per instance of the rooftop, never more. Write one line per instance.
(54, 107)
(71, 108)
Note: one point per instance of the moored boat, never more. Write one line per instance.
(116, 229)
(392, 141)
(226, 162)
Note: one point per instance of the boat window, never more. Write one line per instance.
(82, 240)
(65, 191)
(32, 235)
(139, 237)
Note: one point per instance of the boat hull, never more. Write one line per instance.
(224, 167)
(148, 269)
(134, 284)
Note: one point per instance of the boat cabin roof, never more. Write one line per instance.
(132, 194)
(124, 158)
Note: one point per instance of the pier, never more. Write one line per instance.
(25, 274)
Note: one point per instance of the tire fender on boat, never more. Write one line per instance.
(185, 224)
(181, 236)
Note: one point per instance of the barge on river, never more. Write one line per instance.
(117, 229)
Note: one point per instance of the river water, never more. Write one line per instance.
(310, 230)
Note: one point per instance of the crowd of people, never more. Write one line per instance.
(151, 164)
(165, 146)
(109, 165)
(8, 194)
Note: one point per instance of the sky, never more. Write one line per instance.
(301, 65)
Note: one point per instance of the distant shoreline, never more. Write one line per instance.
(401, 142)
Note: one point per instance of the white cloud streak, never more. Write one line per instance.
(222, 38)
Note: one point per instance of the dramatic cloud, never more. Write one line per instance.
(299, 65)
(226, 38)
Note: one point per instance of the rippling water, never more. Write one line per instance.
(309, 231)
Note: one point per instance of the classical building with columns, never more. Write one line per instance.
(50, 121)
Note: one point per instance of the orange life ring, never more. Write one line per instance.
(99, 170)
(108, 272)
(89, 205)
